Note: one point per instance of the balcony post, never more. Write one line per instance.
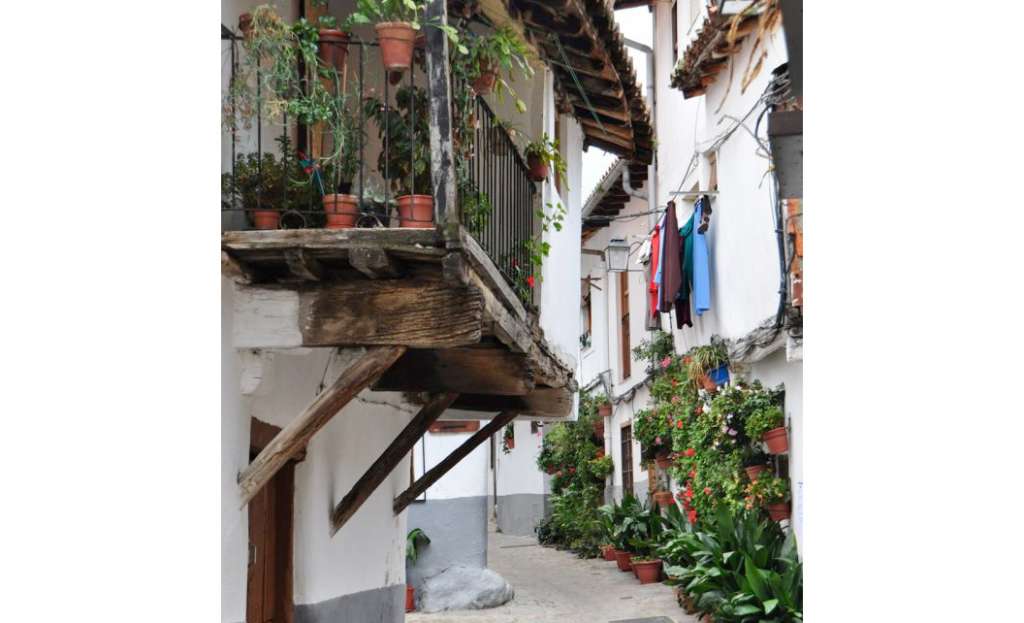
(439, 89)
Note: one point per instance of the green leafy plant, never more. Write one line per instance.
(404, 130)
(267, 183)
(654, 350)
(653, 431)
(501, 52)
(508, 438)
(408, 11)
(413, 541)
(768, 489)
(546, 150)
(601, 468)
(763, 420)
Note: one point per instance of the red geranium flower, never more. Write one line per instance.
(707, 490)
(692, 516)
(666, 362)
(679, 425)
(529, 281)
(693, 473)
(689, 451)
(572, 470)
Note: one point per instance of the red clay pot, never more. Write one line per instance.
(245, 24)
(605, 409)
(484, 83)
(266, 219)
(622, 560)
(754, 471)
(410, 598)
(396, 42)
(608, 552)
(708, 384)
(779, 511)
(776, 440)
(647, 571)
(599, 428)
(663, 498)
(416, 211)
(332, 48)
(538, 172)
(341, 210)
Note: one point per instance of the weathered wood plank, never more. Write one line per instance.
(235, 270)
(442, 468)
(446, 206)
(425, 242)
(375, 263)
(474, 370)
(388, 459)
(302, 265)
(479, 260)
(294, 437)
(414, 314)
(419, 314)
(542, 402)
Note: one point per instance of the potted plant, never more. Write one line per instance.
(601, 467)
(396, 23)
(754, 462)
(413, 540)
(646, 535)
(541, 156)
(768, 425)
(772, 493)
(332, 42)
(264, 187)
(607, 515)
(508, 438)
(405, 157)
(651, 429)
(604, 408)
(489, 55)
(663, 499)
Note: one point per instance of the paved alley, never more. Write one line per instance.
(557, 586)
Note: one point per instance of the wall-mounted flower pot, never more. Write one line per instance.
(332, 48)
(608, 552)
(707, 383)
(622, 560)
(245, 24)
(776, 440)
(266, 219)
(663, 498)
(663, 459)
(341, 210)
(537, 171)
(510, 443)
(605, 408)
(410, 598)
(416, 211)
(484, 83)
(396, 41)
(754, 471)
(779, 511)
(720, 375)
(647, 571)
(599, 428)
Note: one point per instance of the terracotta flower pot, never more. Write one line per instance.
(754, 471)
(416, 211)
(332, 48)
(779, 511)
(663, 498)
(551, 470)
(484, 83)
(341, 210)
(266, 219)
(707, 383)
(647, 571)
(608, 552)
(410, 598)
(663, 459)
(245, 24)
(538, 172)
(510, 443)
(622, 560)
(604, 409)
(599, 428)
(396, 42)
(776, 440)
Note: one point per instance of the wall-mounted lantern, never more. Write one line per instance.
(616, 254)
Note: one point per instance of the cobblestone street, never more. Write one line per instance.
(557, 586)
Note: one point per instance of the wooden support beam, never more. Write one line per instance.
(392, 456)
(447, 212)
(235, 270)
(452, 460)
(303, 265)
(375, 263)
(294, 437)
(474, 370)
(542, 402)
(406, 312)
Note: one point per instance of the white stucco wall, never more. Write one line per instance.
(468, 477)
(517, 470)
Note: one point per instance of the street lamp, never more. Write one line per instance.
(616, 254)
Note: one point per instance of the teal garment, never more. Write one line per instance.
(686, 235)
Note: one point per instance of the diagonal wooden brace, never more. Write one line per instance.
(388, 459)
(292, 438)
(452, 460)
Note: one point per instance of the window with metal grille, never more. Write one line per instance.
(626, 435)
(627, 360)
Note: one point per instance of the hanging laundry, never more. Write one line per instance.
(671, 271)
(699, 270)
(683, 316)
(652, 284)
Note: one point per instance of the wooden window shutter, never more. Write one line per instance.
(627, 360)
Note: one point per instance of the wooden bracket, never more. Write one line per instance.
(452, 460)
(375, 263)
(294, 437)
(303, 265)
(392, 456)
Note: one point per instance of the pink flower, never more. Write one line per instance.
(657, 441)
(666, 362)
(689, 451)
(707, 490)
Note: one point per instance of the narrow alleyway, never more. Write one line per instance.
(557, 586)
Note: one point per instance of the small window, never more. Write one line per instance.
(455, 426)
(626, 438)
(627, 358)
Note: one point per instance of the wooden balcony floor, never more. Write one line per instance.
(466, 331)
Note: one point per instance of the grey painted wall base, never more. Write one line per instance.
(639, 490)
(380, 605)
(457, 528)
(519, 513)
